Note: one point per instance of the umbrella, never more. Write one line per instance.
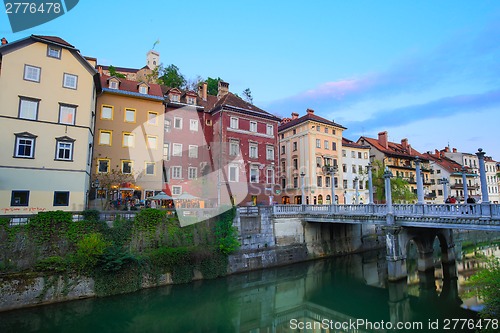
(186, 196)
(160, 196)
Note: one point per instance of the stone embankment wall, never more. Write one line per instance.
(266, 241)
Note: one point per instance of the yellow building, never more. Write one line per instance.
(308, 146)
(129, 137)
(47, 90)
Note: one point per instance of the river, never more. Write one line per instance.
(343, 294)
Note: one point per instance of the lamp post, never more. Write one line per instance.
(464, 180)
(303, 198)
(331, 170)
(356, 186)
(445, 182)
(482, 176)
(420, 183)
(370, 182)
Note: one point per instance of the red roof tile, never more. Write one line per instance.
(393, 148)
(132, 86)
(350, 143)
(308, 117)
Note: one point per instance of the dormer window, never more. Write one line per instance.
(191, 100)
(174, 97)
(113, 84)
(143, 89)
(54, 52)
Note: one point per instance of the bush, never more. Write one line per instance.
(91, 215)
(114, 259)
(52, 264)
(486, 284)
(89, 249)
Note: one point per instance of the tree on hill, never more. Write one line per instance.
(113, 72)
(171, 77)
(213, 86)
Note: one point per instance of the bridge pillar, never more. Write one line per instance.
(482, 176)
(396, 257)
(447, 247)
(425, 248)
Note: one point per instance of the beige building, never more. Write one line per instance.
(48, 90)
(129, 137)
(308, 146)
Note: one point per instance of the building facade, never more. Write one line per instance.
(48, 92)
(309, 159)
(355, 160)
(129, 139)
(399, 158)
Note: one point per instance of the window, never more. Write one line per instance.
(128, 139)
(143, 89)
(113, 84)
(150, 168)
(254, 174)
(166, 151)
(283, 150)
(294, 146)
(177, 149)
(360, 169)
(318, 128)
(64, 149)
(270, 176)
(53, 52)
(176, 190)
(129, 115)
(328, 182)
(233, 173)
(168, 125)
(326, 130)
(344, 183)
(269, 129)
(175, 98)
(344, 167)
(233, 148)
(103, 165)
(234, 123)
(25, 145)
(32, 73)
(105, 137)
(283, 183)
(295, 182)
(193, 125)
(318, 162)
(70, 81)
(127, 167)
(152, 118)
(320, 181)
(294, 132)
(359, 154)
(192, 172)
(61, 198)
(336, 182)
(326, 144)
(177, 122)
(440, 192)
(191, 100)
(107, 112)
(354, 169)
(353, 154)
(193, 151)
(344, 153)
(253, 151)
(354, 183)
(28, 108)
(318, 143)
(334, 145)
(365, 155)
(20, 198)
(176, 172)
(253, 126)
(67, 114)
(270, 153)
(152, 142)
(295, 163)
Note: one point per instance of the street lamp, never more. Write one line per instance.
(356, 186)
(331, 170)
(445, 182)
(303, 198)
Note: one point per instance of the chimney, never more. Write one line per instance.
(202, 90)
(295, 115)
(4, 41)
(409, 149)
(223, 89)
(310, 111)
(404, 143)
(454, 150)
(437, 153)
(383, 140)
(446, 149)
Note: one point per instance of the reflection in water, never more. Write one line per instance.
(333, 291)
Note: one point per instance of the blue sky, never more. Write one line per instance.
(428, 71)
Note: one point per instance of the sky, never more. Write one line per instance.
(424, 70)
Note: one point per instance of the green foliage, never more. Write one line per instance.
(121, 232)
(52, 264)
(226, 233)
(113, 72)
(114, 259)
(166, 258)
(247, 95)
(213, 86)
(486, 285)
(400, 189)
(91, 215)
(171, 77)
(89, 249)
(49, 227)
